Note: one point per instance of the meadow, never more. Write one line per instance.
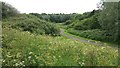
(37, 39)
(27, 49)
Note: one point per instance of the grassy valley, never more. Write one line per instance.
(37, 40)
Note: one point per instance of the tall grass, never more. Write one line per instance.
(27, 49)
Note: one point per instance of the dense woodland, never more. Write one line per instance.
(34, 39)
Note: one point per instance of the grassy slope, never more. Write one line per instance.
(24, 48)
(26, 22)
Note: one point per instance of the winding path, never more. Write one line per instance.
(80, 39)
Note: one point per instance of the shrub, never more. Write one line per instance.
(95, 34)
(88, 23)
(68, 22)
(32, 24)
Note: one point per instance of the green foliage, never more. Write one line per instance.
(57, 18)
(86, 15)
(27, 49)
(68, 22)
(24, 46)
(32, 24)
(88, 23)
(109, 19)
(8, 10)
(95, 34)
(88, 20)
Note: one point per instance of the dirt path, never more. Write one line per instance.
(81, 39)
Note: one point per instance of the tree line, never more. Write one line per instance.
(57, 18)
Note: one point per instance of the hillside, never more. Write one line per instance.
(31, 23)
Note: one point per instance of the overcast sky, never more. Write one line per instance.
(53, 6)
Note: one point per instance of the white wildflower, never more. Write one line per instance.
(16, 64)
(29, 57)
(102, 47)
(83, 63)
(3, 60)
(53, 56)
(79, 63)
(84, 53)
(30, 52)
(14, 60)
(23, 61)
(59, 56)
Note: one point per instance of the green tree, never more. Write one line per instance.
(8, 10)
(109, 19)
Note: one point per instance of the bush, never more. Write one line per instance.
(32, 24)
(88, 23)
(68, 22)
(95, 34)
(83, 25)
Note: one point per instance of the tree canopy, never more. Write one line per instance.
(109, 18)
(8, 10)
